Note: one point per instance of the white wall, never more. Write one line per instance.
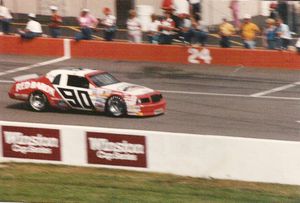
(66, 7)
(213, 10)
(205, 156)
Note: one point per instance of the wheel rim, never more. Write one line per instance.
(37, 101)
(115, 107)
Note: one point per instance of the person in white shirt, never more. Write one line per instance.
(33, 28)
(109, 23)
(167, 29)
(182, 7)
(283, 33)
(134, 28)
(5, 18)
(153, 33)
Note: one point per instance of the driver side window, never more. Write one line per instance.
(76, 81)
(56, 80)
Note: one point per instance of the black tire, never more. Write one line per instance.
(38, 101)
(116, 106)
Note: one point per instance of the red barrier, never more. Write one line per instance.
(127, 51)
(151, 53)
(35, 47)
(255, 58)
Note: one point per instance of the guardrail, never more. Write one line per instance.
(151, 53)
(204, 156)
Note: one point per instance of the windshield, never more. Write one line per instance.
(103, 79)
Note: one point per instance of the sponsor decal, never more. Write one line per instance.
(31, 143)
(196, 56)
(35, 85)
(114, 149)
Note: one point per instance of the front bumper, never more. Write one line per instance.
(151, 109)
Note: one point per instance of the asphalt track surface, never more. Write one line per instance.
(201, 99)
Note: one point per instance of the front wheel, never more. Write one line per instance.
(116, 106)
(38, 101)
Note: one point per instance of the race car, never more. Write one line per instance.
(89, 90)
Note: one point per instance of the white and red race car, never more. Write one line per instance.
(86, 89)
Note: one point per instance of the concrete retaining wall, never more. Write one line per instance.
(202, 156)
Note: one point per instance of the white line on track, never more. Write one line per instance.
(67, 55)
(6, 81)
(34, 66)
(228, 95)
(277, 89)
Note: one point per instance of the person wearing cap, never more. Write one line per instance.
(33, 28)
(109, 23)
(5, 18)
(249, 30)
(270, 34)
(87, 23)
(226, 30)
(56, 22)
(134, 27)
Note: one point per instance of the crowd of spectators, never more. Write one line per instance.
(181, 22)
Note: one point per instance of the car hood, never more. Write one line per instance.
(128, 88)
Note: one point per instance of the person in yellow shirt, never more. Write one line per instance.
(249, 32)
(226, 30)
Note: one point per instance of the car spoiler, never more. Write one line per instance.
(25, 77)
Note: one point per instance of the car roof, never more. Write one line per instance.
(81, 72)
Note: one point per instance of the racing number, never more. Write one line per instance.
(82, 101)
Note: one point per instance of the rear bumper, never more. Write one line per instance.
(148, 109)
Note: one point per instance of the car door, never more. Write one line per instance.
(75, 91)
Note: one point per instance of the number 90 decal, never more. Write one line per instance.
(77, 98)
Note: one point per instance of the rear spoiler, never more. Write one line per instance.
(25, 77)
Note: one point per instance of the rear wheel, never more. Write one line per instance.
(116, 106)
(38, 101)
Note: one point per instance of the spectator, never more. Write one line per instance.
(200, 31)
(167, 5)
(134, 28)
(282, 9)
(56, 22)
(153, 33)
(234, 6)
(181, 7)
(195, 7)
(109, 23)
(273, 11)
(297, 45)
(249, 31)
(5, 18)
(167, 27)
(33, 28)
(186, 31)
(226, 30)
(87, 23)
(284, 35)
(270, 33)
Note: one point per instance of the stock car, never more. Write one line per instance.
(89, 90)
